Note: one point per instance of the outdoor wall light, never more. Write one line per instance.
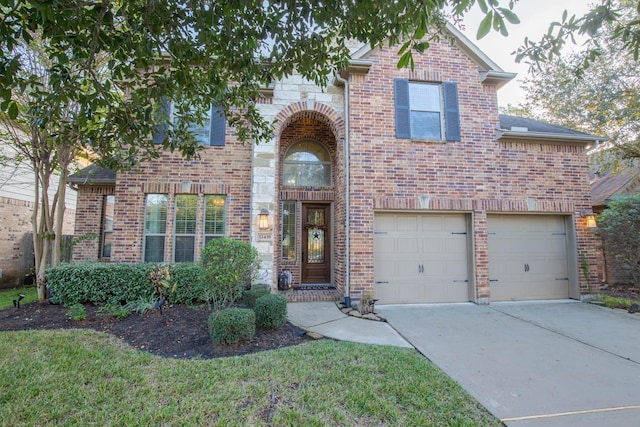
(263, 220)
(589, 217)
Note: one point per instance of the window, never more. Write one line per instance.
(211, 132)
(185, 228)
(427, 110)
(155, 226)
(214, 217)
(107, 225)
(288, 231)
(307, 164)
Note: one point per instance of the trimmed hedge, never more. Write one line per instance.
(271, 311)
(230, 325)
(249, 297)
(99, 283)
(107, 283)
(190, 281)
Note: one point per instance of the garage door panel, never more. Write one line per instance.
(527, 257)
(433, 270)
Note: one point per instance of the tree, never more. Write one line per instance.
(107, 67)
(602, 101)
(620, 17)
(619, 226)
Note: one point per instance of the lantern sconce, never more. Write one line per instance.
(263, 220)
(589, 217)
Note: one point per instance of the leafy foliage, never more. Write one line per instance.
(622, 17)
(190, 282)
(99, 283)
(271, 311)
(251, 295)
(230, 266)
(77, 312)
(619, 226)
(230, 325)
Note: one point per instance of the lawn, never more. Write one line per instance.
(8, 295)
(83, 377)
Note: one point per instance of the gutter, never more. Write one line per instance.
(550, 137)
(347, 208)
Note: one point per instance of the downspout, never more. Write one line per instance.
(347, 208)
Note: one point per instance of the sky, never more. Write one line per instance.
(535, 17)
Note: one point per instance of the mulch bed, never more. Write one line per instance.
(179, 331)
(621, 291)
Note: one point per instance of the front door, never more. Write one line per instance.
(316, 238)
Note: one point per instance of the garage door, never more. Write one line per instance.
(527, 257)
(421, 258)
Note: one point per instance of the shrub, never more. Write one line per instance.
(115, 309)
(250, 296)
(189, 282)
(619, 226)
(271, 311)
(99, 283)
(77, 312)
(229, 268)
(230, 325)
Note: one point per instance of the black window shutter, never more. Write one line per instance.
(403, 114)
(163, 114)
(451, 111)
(218, 127)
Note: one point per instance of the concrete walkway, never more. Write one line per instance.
(534, 363)
(325, 319)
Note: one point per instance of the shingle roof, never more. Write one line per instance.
(92, 175)
(604, 185)
(515, 123)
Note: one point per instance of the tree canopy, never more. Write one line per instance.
(116, 59)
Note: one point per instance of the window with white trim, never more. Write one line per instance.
(107, 225)
(214, 217)
(184, 238)
(155, 227)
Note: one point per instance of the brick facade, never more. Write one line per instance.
(479, 175)
(15, 225)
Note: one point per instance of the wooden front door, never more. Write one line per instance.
(316, 243)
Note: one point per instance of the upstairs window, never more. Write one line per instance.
(210, 133)
(307, 164)
(427, 111)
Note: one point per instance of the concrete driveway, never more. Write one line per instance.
(546, 363)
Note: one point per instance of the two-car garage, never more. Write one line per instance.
(426, 258)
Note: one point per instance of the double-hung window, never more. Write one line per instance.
(155, 227)
(210, 133)
(107, 225)
(185, 228)
(214, 217)
(427, 111)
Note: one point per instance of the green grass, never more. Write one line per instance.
(8, 295)
(82, 377)
(615, 302)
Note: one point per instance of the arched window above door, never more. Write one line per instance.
(307, 164)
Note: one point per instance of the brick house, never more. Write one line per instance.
(17, 194)
(407, 185)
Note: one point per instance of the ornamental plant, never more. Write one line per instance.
(230, 266)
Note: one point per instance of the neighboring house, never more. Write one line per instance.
(407, 185)
(16, 208)
(605, 185)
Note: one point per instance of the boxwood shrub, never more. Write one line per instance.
(249, 297)
(230, 325)
(271, 311)
(99, 283)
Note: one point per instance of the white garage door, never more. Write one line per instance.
(527, 257)
(421, 258)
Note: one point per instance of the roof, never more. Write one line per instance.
(605, 185)
(92, 175)
(490, 72)
(523, 128)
